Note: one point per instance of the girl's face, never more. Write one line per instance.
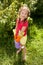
(23, 14)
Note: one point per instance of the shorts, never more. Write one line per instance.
(22, 42)
(17, 44)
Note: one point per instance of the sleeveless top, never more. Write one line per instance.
(20, 25)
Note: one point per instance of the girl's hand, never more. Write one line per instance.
(23, 29)
(21, 33)
(14, 31)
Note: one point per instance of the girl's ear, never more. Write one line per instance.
(28, 12)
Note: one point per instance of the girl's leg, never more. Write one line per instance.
(24, 53)
(23, 48)
(18, 50)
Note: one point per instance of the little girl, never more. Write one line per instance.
(20, 31)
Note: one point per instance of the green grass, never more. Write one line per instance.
(34, 50)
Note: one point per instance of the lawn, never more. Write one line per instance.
(34, 48)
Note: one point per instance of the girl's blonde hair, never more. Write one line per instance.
(24, 6)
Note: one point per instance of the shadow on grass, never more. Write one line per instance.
(19, 60)
(11, 51)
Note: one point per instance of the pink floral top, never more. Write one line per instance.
(20, 25)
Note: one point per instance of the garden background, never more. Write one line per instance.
(34, 45)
